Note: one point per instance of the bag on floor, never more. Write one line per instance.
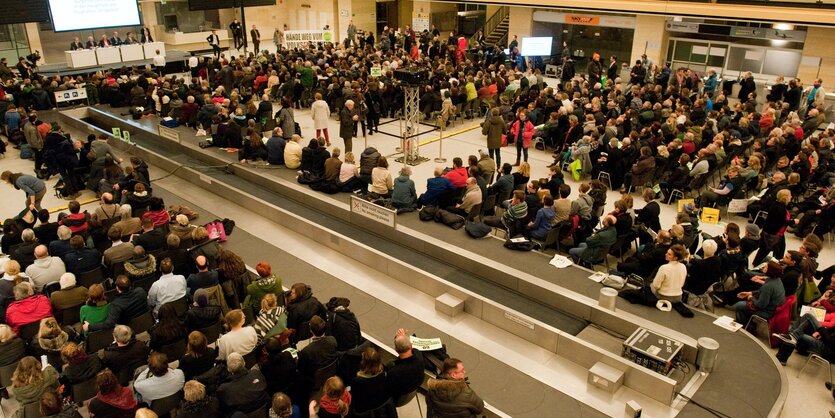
(328, 187)
(427, 213)
(478, 229)
(526, 245)
(228, 225)
(216, 231)
(449, 219)
(307, 178)
(170, 123)
(175, 210)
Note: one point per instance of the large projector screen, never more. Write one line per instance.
(533, 47)
(70, 15)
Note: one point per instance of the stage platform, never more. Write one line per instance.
(561, 304)
(174, 59)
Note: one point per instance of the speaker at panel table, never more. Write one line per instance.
(74, 15)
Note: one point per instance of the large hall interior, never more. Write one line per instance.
(403, 208)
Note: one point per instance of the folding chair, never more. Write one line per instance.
(818, 359)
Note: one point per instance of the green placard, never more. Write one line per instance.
(376, 71)
(117, 133)
(126, 136)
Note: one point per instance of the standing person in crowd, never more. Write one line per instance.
(34, 188)
(321, 112)
(237, 33)
(256, 39)
(214, 42)
(347, 116)
(772, 235)
(521, 132)
(494, 128)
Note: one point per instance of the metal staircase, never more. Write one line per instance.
(496, 28)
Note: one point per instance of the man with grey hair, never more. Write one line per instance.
(24, 253)
(45, 269)
(27, 307)
(245, 391)
(70, 296)
(293, 152)
(347, 117)
(61, 246)
(126, 352)
(405, 375)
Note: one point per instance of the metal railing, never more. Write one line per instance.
(492, 23)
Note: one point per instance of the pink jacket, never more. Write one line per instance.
(527, 134)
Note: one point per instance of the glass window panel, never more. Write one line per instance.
(698, 54)
(784, 63)
(745, 59)
(682, 52)
(714, 61)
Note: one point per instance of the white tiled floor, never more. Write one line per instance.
(807, 396)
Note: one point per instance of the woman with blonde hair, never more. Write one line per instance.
(522, 175)
(272, 319)
(335, 400)
(12, 348)
(11, 277)
(29, 382)
(349, 174)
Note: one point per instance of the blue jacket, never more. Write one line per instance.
(435, 186)
(275, 150)
(771, 295)
(542, 224)
(711, 83)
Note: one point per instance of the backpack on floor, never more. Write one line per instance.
(427, 213)
(477, 229)
(449, 219)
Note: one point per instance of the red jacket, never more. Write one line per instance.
(527, 134)
(77, 222)
(159, 217)
(28, 310)
(458, 177)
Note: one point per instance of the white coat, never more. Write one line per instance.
(321, 112)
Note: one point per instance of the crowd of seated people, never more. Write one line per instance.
(211, 377)
(214, 336)
(661, 129)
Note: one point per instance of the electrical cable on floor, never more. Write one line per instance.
(607, 331)
(706, 408)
